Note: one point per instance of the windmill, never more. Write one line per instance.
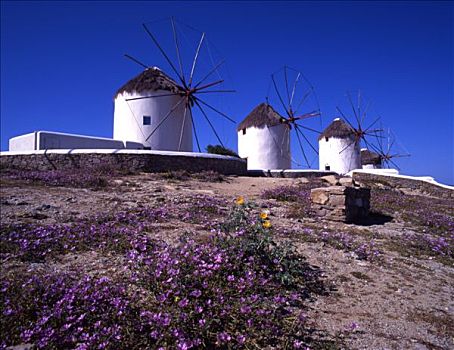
(361, 133)
(340, 143)
(167, 101)
(386, 148)
(297, 103)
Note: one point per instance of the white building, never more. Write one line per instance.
(135, 120)
(264, 140)
(370, 160)
(43, 140)
(339, 150)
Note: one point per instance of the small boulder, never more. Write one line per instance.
(346, 181)
(331, 179)
(319, 196)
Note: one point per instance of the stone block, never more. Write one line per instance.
(331, 179)
(339, 203)
(346, 181)
(319, 196)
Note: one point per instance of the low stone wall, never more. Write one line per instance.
(419, 186)
(148, 161)
(289, 173)
(339, 203)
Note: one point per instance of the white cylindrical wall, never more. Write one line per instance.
(371, 166)
(334, 155)
(129, 121)
(265, 147)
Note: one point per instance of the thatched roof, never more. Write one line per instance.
(151, 79)
(369, 157)
(339, 129)
(260, 116)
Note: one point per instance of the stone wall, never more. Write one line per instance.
(414, 185)
(339, 203)
(147, 161)
(289, 173)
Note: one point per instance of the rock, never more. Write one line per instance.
(339, 203)
(319, 196)
(331, 179)
(346, 181)
(43, 207)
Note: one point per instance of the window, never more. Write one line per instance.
(326, 139)
(244, 131)
(146, 120)
(327, 167)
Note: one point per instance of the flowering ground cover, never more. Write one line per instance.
(96, 178)
(185, 261)
(197, 294)
(433, 217)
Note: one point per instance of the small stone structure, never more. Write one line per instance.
(340, 203)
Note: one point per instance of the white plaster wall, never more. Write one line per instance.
(371, 166)
(25, 142)
(128, 121)
(330, 154)
(41, 140)
(266, 147)
(54, 140)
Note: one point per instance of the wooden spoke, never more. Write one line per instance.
(294, 88)
(182, 127)
(163, 53)
(136, 61)
(209, 73)
(286, 86)
(165, 118)
(306, 95)
(302, 150)
(209, 122)
(354, 111)
(217, 111)
(175, 38)
(209, 85)
(211, 91)
(195, 59)
(154, 96)
(194, 129)
(307, 128)
(279, 95)
(351, 143)
(307, 140)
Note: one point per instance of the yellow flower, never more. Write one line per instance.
(176, 299)
(240, 200)
(263, 216)
(266, 224)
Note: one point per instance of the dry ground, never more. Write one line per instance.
(395, 302)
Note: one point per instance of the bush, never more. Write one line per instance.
(218, 149)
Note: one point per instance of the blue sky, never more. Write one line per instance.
(61, 63)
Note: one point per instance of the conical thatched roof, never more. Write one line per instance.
(339, 129)
(369, 157)
(260, 116)
(151, 79)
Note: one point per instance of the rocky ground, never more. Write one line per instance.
(391, 281)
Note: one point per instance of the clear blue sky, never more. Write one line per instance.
(61, 63)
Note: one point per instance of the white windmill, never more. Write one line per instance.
(264, 136)
(157, 110)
